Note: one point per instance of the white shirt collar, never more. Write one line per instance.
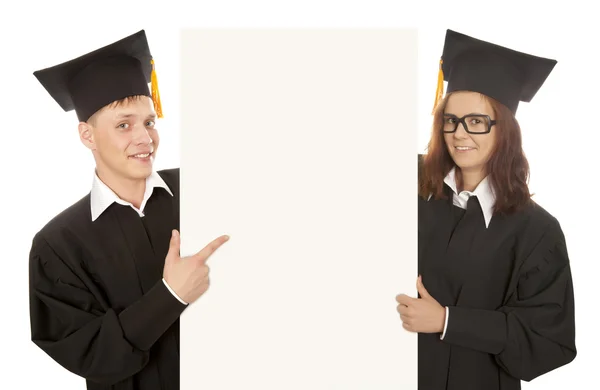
(484, 192)
(101, 196)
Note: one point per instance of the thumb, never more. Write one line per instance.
(421, 288)
(174, 246)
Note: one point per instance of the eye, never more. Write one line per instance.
(450, 120)
(150, 123)
(475, 121)
(123, 125)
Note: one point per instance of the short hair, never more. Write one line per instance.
(92, 119)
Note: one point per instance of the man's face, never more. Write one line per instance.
(125, 139)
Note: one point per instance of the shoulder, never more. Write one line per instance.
(537, 219)
(169, 172)
(171, 177)
(542, 240)
(69, 219)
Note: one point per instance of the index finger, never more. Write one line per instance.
(209, 249)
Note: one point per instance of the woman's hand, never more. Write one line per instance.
(422, 315)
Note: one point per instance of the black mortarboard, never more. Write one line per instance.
(503, 74)
(91, 81)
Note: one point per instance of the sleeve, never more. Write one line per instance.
(75, 328)
(534, 332)
(173, 292)
(445, 323)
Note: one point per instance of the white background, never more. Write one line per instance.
(46, 168)
(301, 146)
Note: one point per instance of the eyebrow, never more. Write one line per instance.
(120, 116)
(472, 113)
(125, 116)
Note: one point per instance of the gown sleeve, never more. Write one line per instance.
(73, 326)
(534, 332)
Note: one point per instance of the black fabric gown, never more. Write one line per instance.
(98, 304)
(509, 291)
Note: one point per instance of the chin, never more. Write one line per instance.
(145, 172)
(140, 172)
(465, 162)
(473, 166)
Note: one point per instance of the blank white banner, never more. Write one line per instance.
(300, 145)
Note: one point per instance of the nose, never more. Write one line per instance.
(461, 131)
(141, 135)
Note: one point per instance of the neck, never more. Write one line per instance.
(469, 180)
(130, 190)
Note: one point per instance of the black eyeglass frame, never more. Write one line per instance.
(489, 120)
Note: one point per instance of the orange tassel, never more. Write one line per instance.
(155, 93)
(439, 93)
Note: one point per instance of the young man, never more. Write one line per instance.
(107, 284)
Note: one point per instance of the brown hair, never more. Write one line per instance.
(92, 119)
(507, 168)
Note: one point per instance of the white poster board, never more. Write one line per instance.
(300, 145)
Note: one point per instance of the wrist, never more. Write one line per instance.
(175, 292)
(442, 322)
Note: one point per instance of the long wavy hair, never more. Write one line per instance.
(507, 168)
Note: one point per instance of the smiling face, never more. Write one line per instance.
(470, 152)
(123, 139)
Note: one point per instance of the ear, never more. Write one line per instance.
(86, 135)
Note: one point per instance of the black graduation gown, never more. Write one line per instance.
(98, 305)
(509, 291)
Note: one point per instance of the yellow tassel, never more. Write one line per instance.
(155, 93)
(439, 93)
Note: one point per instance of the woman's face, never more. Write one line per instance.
(470, 152)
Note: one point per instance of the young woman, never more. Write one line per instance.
(495, 303)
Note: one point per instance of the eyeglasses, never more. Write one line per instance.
(473, 124)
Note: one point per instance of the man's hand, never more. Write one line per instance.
(422, 315)
(188, 276)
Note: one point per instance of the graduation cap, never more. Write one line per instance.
(506, 75)
(96, 79)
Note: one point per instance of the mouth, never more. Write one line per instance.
(463, 148)
(143, 157)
